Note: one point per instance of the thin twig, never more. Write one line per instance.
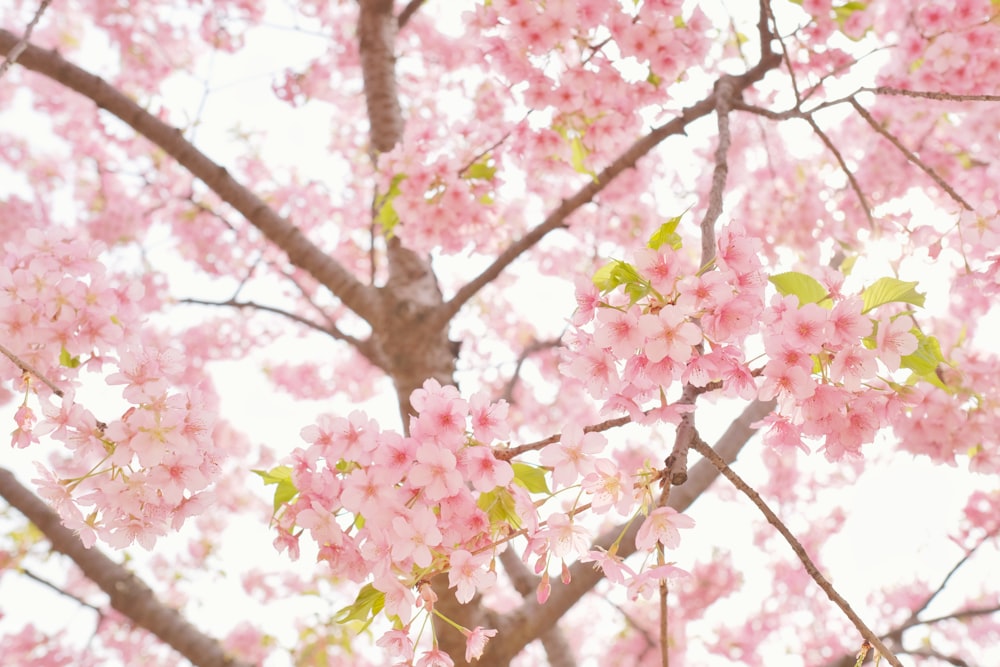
(48, 584)
(536, 346)
(931, 95)
(843, 165)
(28, 368)
(508, 454)
(702, 448)
(22, 44)
(910, 155)
(944, 582)
(959, 615)
(766, 13)
(330, 329)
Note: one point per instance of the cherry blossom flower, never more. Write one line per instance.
(571, 457)
(467, 575)
(565, 538)
(482, 469)
(662, 526)
(619, 330)
(646, 584)
(475, 642)
(669, 334)
(894, 340)
(436, 471)
(415, 535)
(435, 658)
(397, 644)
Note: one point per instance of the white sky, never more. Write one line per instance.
(899, 514)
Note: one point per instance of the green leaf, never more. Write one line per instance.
(805, 287)
(666, 234)
(891, 290)
(66, 360)
(387, 216)
(481, 169)
(578, 156)
(499, 507)
(654, 79)
(364, 608)
(530, 477)
(285, 490)
(615, 273)
(925, 360)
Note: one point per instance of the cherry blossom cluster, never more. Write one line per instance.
(827, 362)
(140, 475)
(398, 510)
(668, 324)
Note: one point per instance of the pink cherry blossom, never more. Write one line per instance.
(572, 457)
(476, 642)
(669, 334)
(436, 471)
(467, 574)
(661, 526)
(565, 538)
(894, 340)
(619, 330)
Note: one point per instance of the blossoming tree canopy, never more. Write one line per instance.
(594, 250)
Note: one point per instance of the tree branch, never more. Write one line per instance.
(910, 155)
(557, 649)
(362, 346)
(627, 160)
(31, 370)
(129, 595)
(525, 624)
(710, 455)
(407, 13)
(377, 36)
(16, 51)
(300, 250)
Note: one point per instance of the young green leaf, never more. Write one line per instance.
(666, 234)
(891, 290)
(387, 217)
(68, 361)
(530, 477)
(365, 607)
(805, 287)
(615, 273)
(499, 507)
(925, 360)
(285, 490)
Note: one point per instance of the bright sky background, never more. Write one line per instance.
(899, 514)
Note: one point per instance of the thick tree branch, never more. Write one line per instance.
(300, 250)
(377, 37)
(531, 620)
(557, 649)
(128, 594)
(623, 162)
